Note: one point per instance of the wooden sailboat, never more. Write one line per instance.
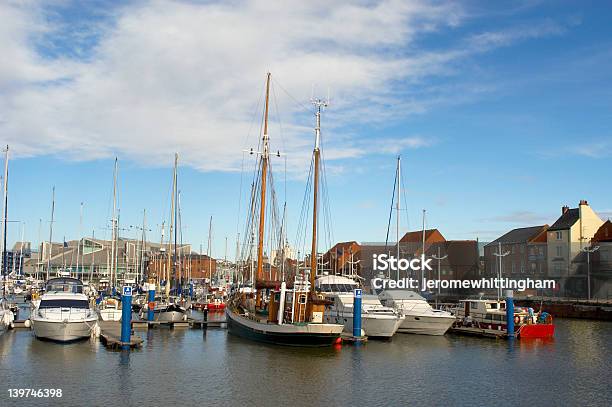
(270, 311)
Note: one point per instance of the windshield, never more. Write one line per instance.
(342, 288)
(64, 304)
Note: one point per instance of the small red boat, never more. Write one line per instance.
(216, 304)
(488, 318)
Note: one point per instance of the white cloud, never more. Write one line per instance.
(166, 76)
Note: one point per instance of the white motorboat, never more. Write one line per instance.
(6, 316)
(63, 313)
(420, 317)
(109, 310)
(377, 320)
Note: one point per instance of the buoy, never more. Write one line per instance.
(27, 323)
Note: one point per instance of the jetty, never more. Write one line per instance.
(110, 336)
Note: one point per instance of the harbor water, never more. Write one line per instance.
(210, 367)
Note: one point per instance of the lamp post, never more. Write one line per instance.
(588, 252)
(499, 254)
(439, 258)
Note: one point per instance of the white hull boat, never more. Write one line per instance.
(63, 313)
(6, 317)
(109, 310)
(419, 317)
(377, 320)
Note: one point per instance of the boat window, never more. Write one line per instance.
(64, 304)
(493, 305)
(473, 305)
(302, 298)
(497, 317)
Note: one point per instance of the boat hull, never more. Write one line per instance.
(306, 335)
(426, 325)
(536, 331)
(62, 331)
(373, 327)
(110, 314)
(169, 316)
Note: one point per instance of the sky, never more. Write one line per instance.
(500, 112)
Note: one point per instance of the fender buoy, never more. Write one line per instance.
(517, 319)
(151, 305)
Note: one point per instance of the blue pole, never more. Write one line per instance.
(191, 289)
(357, 313)
(510, 313)
(151, 300)
(126, 316)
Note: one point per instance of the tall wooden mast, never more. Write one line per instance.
(315, 187)
(264, 174)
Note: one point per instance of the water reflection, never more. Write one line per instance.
(191, 366)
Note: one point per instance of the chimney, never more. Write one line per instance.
(584, 202)
(564, 209)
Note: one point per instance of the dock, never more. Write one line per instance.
(22, 324)
(110, 336)
(490, 333)
(353, 340)
(199, 324)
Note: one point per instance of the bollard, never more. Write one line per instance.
(126, 316)
(357, 313)
(510, 313)
(150, 302)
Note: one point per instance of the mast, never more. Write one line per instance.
(422, 271)
(113, 270)
(397, 206)
(142, 248)
(5, 219)
(176, 225)
(315, 201)
(51, 231)
(264, 174)
(79, 241)
(169, 267)
(20, 269)
(209, 250)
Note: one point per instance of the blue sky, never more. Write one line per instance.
(501, 112)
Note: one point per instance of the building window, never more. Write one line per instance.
(559, 235)
(559, 251)
(533, 267)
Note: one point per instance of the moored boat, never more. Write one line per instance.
(271, 312)
(377, 320)
(488, 318)
(419, 317)
(63, 313)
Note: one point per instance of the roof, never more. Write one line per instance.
(431, 235)
(604, 233)
(566, 220)
(519, 235)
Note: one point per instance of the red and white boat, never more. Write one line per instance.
(211, 303)
(488, 318)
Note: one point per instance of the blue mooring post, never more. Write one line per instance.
(151, 301)
(126, 316)
(510, 313)
(357, 313)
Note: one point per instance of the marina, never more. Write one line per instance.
(214, 361)
(347, 203)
